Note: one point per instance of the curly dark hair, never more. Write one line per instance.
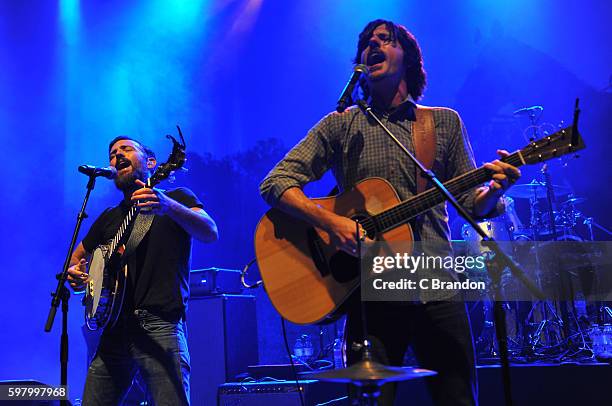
(415, 74)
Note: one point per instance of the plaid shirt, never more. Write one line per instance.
(355, 147)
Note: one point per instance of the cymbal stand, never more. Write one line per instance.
(550, 320)
(589, 222)
(601, 316)
(602, 309)
(545, 326)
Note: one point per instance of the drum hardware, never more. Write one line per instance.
(542, 325)
(549, 328)
(535, 188)
(572, 201)
(533, 113)
(590, 223)
(553, 327)
(550, 197)
(486, 344)
(556, 326)
(601, 338)
(603, 311)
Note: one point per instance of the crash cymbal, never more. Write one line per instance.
(574, 200)
(535, 188)
(368, 372)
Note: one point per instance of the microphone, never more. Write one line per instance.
(345, 97)
(527, 110)
(109, 172)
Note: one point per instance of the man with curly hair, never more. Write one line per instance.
(354, 148)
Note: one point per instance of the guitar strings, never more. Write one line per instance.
(418, 204)
(431, 197)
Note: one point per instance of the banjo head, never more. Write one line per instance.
(95, 283)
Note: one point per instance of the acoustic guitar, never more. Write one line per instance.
(308, 279)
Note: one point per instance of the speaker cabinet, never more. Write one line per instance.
(222, 339)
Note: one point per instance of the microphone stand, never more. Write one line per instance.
(496, 265)
(62, 294)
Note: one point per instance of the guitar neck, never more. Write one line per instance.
(423, 202)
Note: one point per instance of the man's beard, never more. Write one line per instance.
(127, 182)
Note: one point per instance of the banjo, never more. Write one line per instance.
(107, 272)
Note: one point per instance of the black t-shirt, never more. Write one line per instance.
(160, 281)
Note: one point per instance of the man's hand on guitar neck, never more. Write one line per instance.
(195, 221)
(152, 199)
(341, 229)
(504, 176)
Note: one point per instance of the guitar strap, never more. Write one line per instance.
(424, 139)
(142, 223)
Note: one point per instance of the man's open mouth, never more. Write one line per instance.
(122, 164)
(375, 58)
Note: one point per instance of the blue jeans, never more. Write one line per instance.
(146, 343)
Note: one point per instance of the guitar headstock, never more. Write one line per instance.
(563, 142)
(175, 161)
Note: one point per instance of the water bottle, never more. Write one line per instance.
(303, 349)
(601, 338)
(308, 348)
(338, 359)
(607, 341)
(298, 349)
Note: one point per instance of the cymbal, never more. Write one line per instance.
(535, 188)
(368, 372)
(574, 200)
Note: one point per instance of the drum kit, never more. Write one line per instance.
(535, 328)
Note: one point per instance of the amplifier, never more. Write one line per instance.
(281, 393)
(276, 371)
(214, 281)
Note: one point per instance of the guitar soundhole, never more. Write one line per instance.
(344, 267)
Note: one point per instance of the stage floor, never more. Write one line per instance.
(532, 384)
